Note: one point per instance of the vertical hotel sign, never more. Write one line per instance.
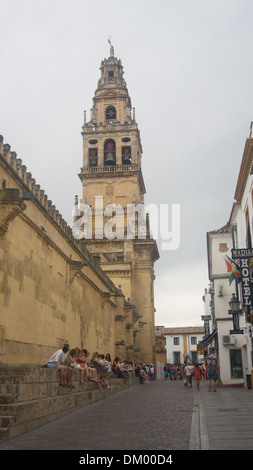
(245, 255)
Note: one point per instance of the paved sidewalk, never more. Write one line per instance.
(225, 418)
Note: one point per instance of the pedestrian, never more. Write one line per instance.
(184, 374)
(58, 361)
(197, 373)
(189, 373)
(143, 374)
(173, 373)
(212, 373)
(152, 372)
(205, 367)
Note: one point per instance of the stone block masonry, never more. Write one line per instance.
(32, 397)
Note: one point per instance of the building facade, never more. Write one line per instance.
(182, 343)
(230, 259)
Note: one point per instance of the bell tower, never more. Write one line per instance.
(112, 183)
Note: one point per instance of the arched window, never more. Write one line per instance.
(93, 157)
(110, 113)
(109, 152)
(126, 155)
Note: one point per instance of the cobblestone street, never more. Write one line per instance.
(160, 416)
(156, 416)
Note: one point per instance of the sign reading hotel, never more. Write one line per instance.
(244, 255)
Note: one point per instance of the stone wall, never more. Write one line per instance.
(51, 288)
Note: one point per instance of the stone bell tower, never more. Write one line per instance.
(113, 184)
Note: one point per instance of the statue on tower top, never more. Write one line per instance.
(111, 48)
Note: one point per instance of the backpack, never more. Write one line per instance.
(212, 365)
(104, 366)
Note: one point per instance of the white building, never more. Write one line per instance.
(233, 340)
(182, 343)
(229, 347)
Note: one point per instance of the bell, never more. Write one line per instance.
(109, 160)
(93, 161)
(126, 160)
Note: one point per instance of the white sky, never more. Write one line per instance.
(188, 67)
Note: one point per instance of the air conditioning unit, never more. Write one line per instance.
(228, 339)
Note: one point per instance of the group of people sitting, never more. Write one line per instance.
(97, 369)
(91, 370)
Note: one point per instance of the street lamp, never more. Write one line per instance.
(234, 304)
(235, 310)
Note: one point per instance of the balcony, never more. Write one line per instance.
(110, 168)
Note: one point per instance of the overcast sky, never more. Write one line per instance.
(188, 67)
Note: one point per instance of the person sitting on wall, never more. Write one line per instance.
(74, 364)
(109, 362)
(90, 373)
(58, 361)
(118, 369)
(104, 370)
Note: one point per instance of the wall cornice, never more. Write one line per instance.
(244, 169)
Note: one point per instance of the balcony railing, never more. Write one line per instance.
(104, 169)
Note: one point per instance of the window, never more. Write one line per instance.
(176, 357)
(176, 341)
(110, 113)
(236, 363)
(111, 75)
(109, 152)
(194, 356)
(193, 340)
(126, 155)
(93, 157)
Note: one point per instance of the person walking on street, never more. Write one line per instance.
(184, 374)
(197, 373)
(188, 373)
(212, 373)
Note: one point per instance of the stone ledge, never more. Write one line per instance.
(32, 397)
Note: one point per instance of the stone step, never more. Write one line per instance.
(25, 416)
(6, 421)
(4, 434)
(10, 370)
(9, 388)
(35, 398)
(44, 385)
(7, 398)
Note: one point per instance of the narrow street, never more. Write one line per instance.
(161, 417)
